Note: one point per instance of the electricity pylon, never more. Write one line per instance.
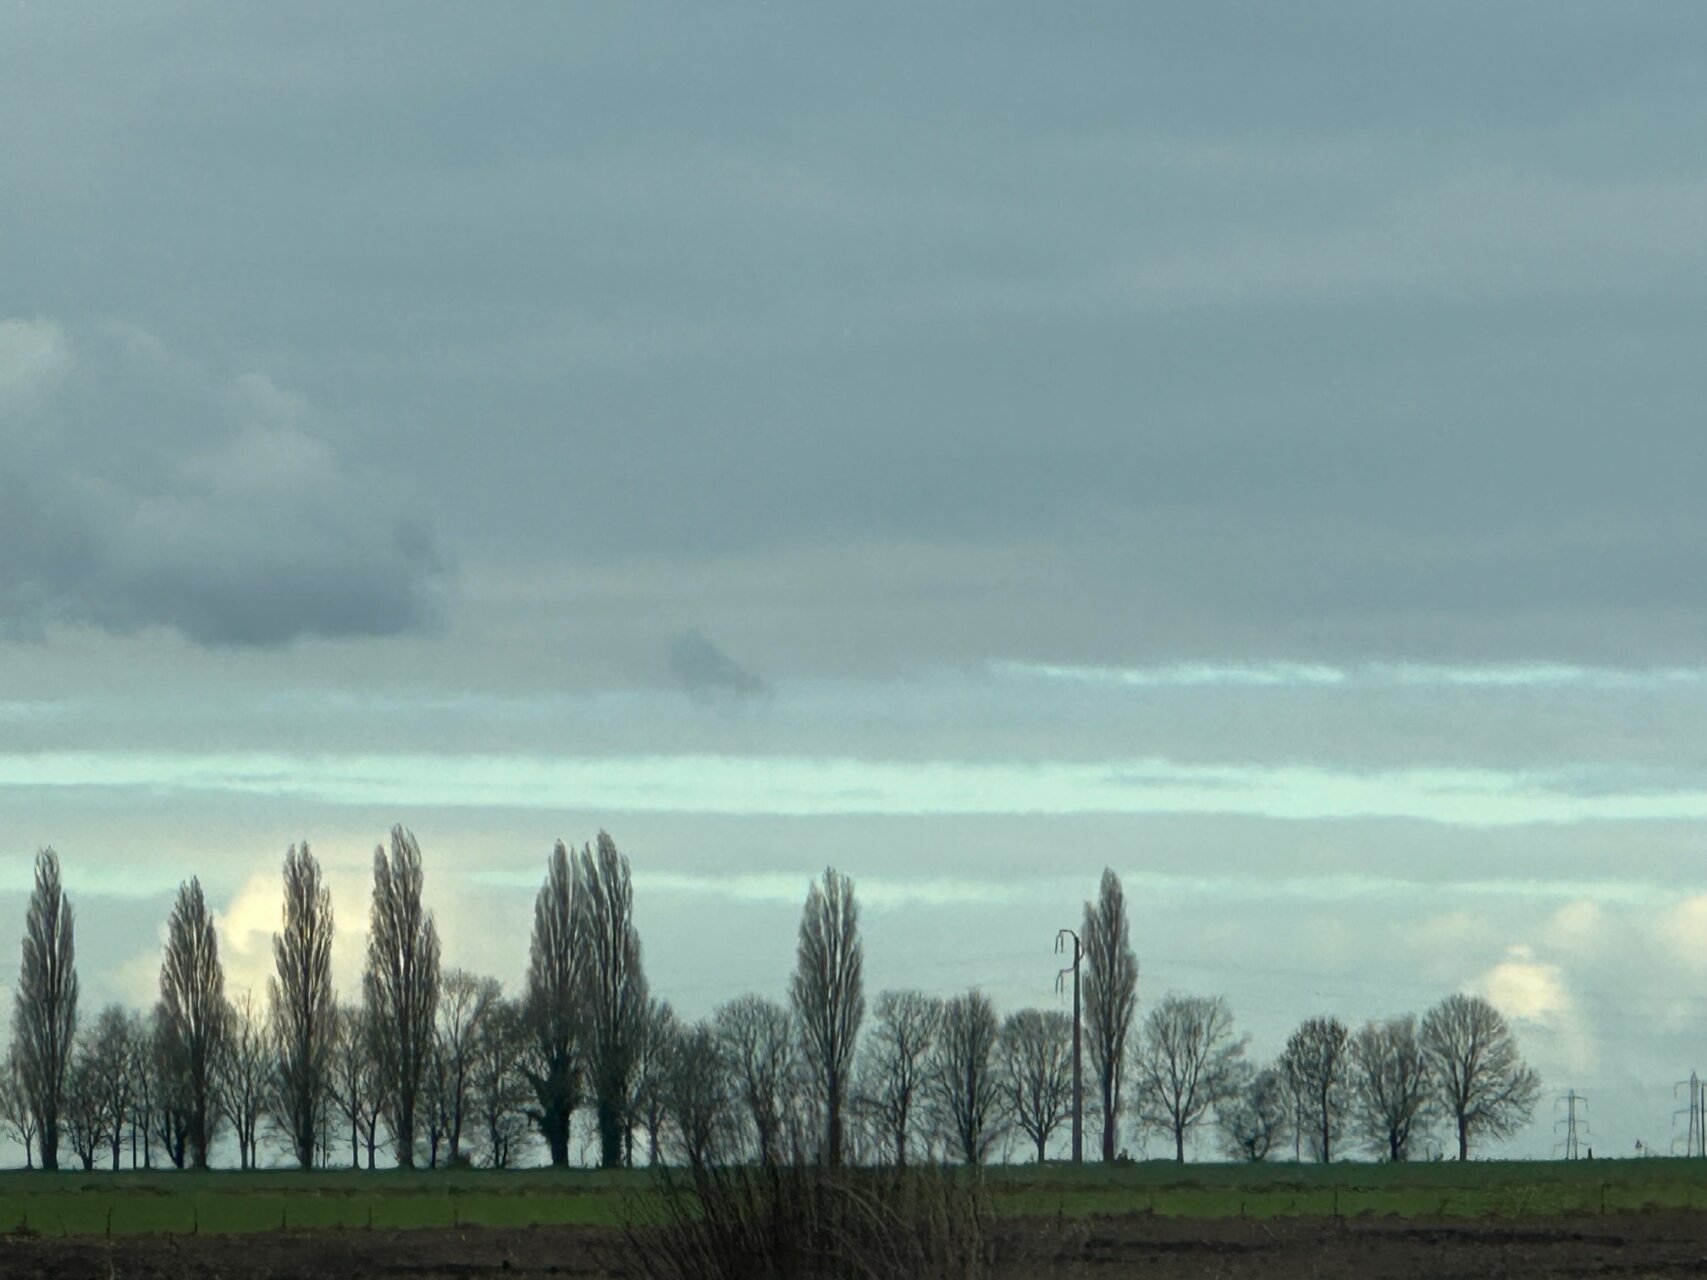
(1695, 1136)
(1573, 1101)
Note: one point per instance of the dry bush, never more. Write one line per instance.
(807, 1221)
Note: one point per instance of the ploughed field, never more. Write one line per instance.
(1645, 1217)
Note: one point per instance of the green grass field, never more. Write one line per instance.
(127, 1203)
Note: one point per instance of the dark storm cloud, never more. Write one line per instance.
(137, 491)
(707, 673)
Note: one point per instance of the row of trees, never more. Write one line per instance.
(1385, 1087)
(440, 1065)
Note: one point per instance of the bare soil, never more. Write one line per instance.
(1636, 1245)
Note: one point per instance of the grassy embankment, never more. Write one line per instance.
(94, 1204)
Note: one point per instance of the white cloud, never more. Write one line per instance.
(1576, 925)
(1683, 929)
(1533, 991)
(1526, 988)
(254, 913)
(35, 355)
(246, 928)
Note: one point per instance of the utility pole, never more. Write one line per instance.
(1571, 1099)
(1078, 1072)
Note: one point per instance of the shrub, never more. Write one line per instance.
(807, 1221)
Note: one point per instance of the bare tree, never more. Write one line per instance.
(16, 1113)
(965, 1079)
(114, 1053)
(302, 1005)
(245, 1072)
(1480, 1079)
(1317, 1064)
(1110, 998)
(1037, 1066)
(759, 1045)
(500, 1089)
(193, 1015)
(353, 1081)
(1186, 1062)
(697, 1093)
(44, 1021)
(1254, 1118)
(648, 1101)
(1390, 1086)
(553, 1006)
(401, 987)
(465, 1002)
(139, 1116)
(895, 1065)
(615, 987)
(166, 1089)
(83, 1112)
(829, 995)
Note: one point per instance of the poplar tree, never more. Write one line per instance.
(45, 1006)
(552, 1007)
(193, 1017)
(829, 996)
(301, 1005)
(1111, 997)
(614, 987)
(400, 987)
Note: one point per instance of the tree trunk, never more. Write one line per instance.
(50, 1143)
(834, 1116)
(610, 1136)
(1110, 1121)
(557, 1138)
(1463, 1139)
(405, 1143)
(1041, 1143)
(1179, 1145)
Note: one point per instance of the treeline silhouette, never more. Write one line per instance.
(440, 1066)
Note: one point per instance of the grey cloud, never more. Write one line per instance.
(160, 496)
(707, 673)
(34, 357)
(1325, 332)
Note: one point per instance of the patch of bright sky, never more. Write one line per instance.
(1371, 675)
(880, 892)
(725, 784)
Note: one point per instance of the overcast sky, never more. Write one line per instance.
(1255, 448)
